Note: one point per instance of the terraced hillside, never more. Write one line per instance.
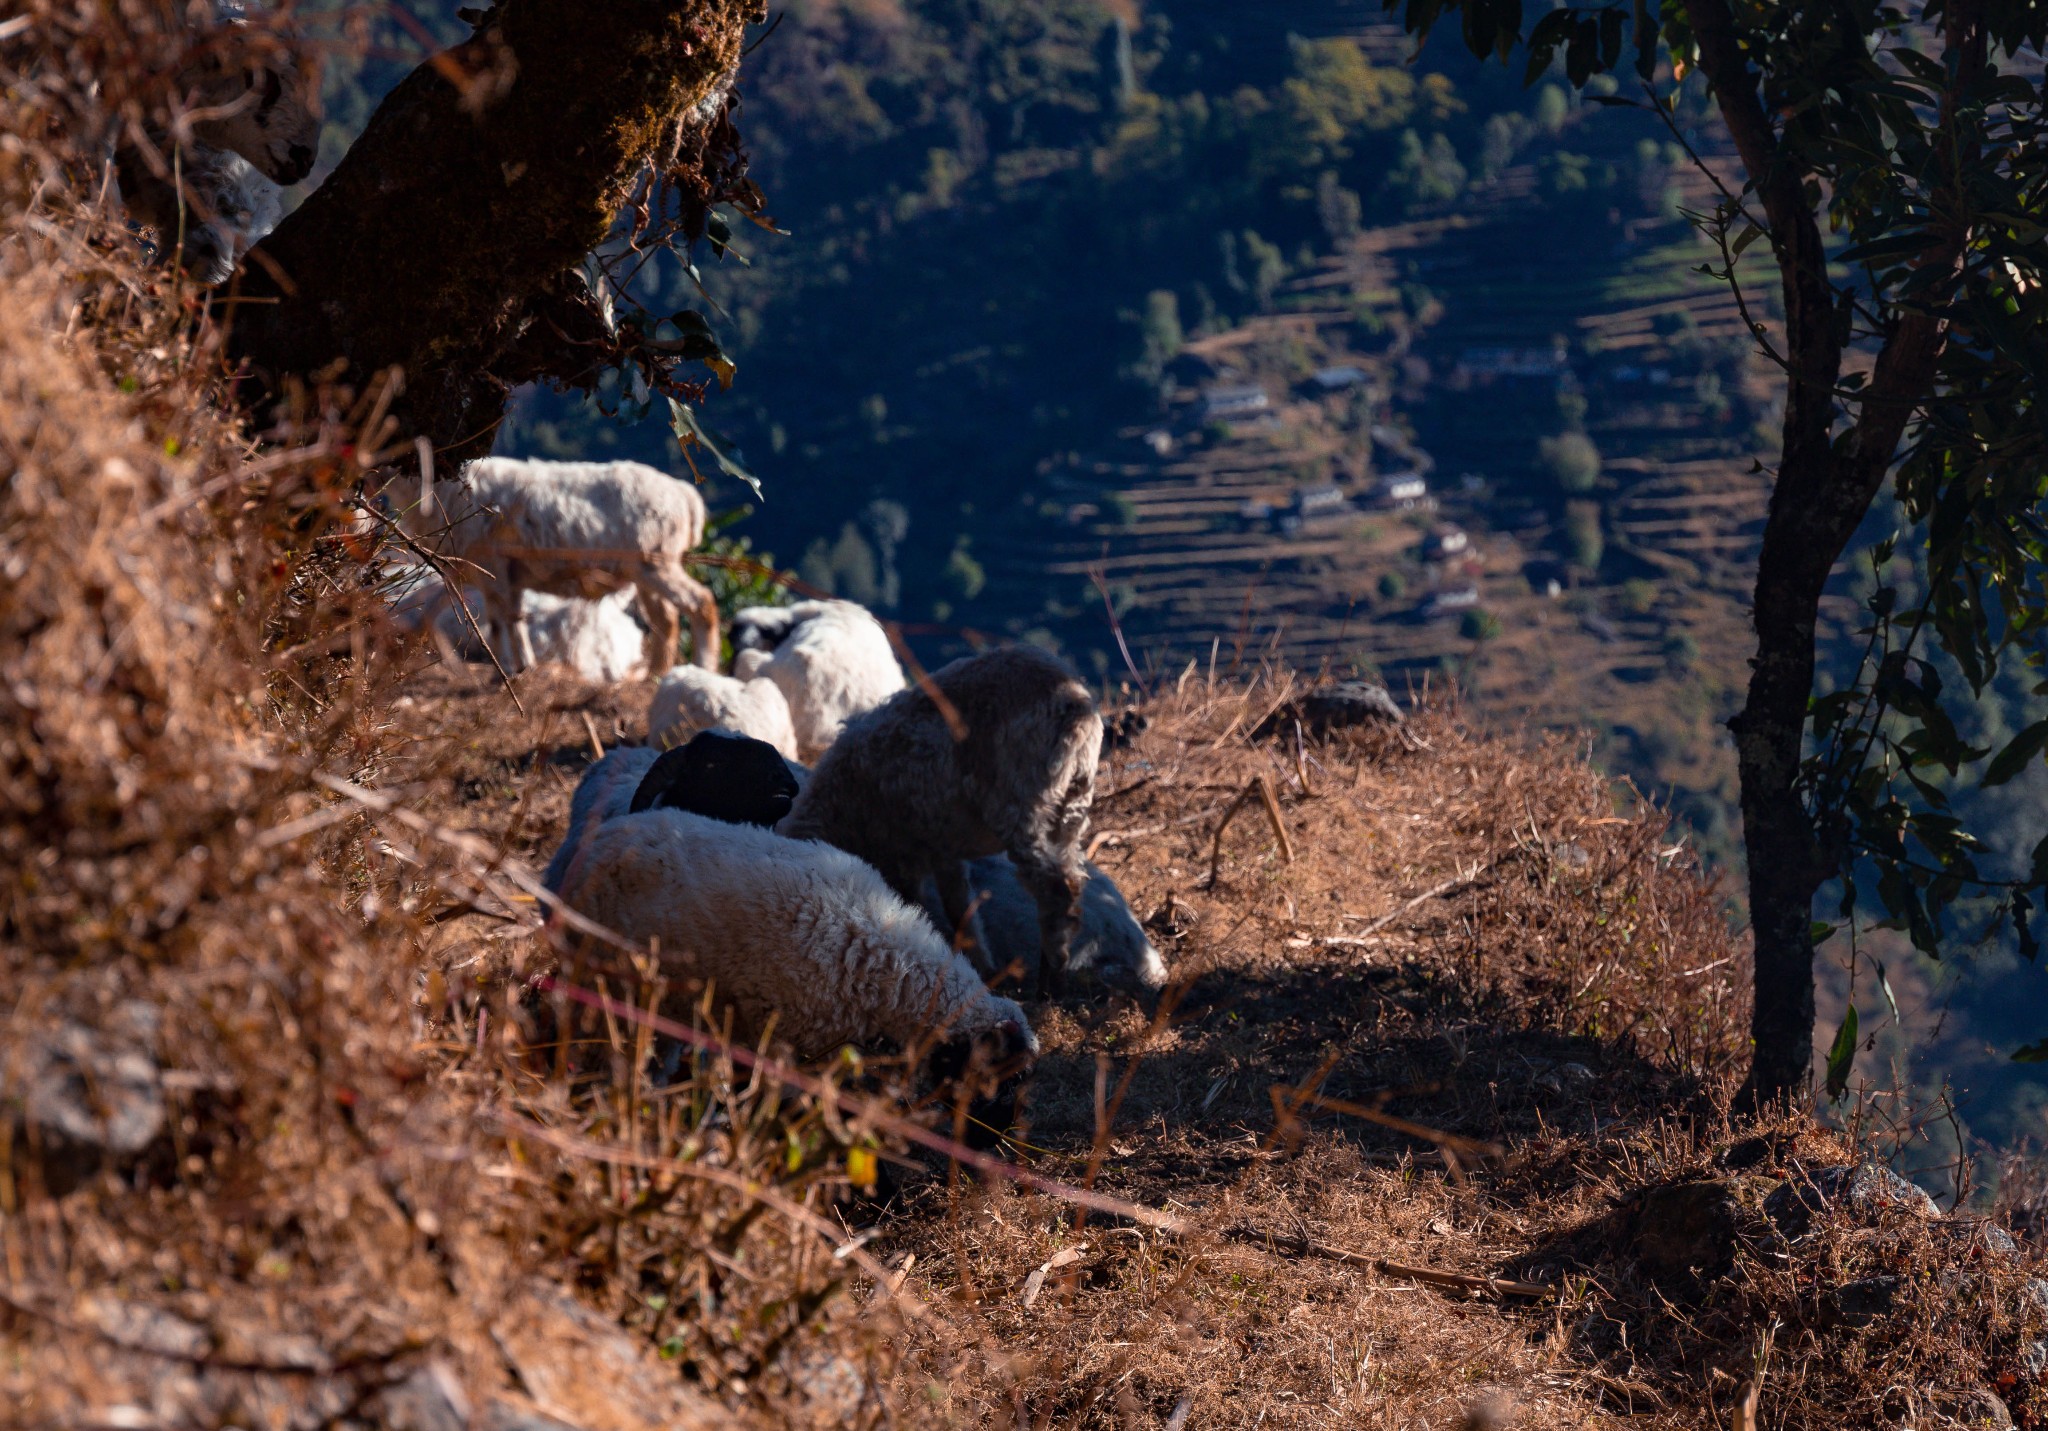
(1474, 332)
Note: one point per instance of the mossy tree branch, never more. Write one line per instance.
(446, 242)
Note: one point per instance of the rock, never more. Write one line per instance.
(1687, 1229)
(1337, 707)
(1869, 1191)
(2035, 1358)
(87, 1095)
(581, 1368)
(1969, 1235)
(1977, 1408)
(833, 1386)
(132, 1326)
(431, 1398)
(1563, 1078)
(1859, 1303)
(1756, 1152)
(506, 1414)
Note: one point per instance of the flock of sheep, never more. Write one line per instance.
(930, 843)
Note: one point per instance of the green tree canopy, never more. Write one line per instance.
(1896, 177)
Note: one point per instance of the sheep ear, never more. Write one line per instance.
(659, 777)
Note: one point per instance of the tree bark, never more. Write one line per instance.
(1822, 493)
(446, 241)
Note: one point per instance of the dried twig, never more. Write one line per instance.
(1309, 1247)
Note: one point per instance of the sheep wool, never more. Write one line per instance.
(690, 699)
(604, 793)
(785, 928)
(831, 660)
(1006, 767)
(582, 529)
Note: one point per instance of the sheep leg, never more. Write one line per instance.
(956, 896)
(502, 624)
(683, 592)
(1056, 890)
(663, 626)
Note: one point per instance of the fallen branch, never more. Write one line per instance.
(1449, 886)
(1271, 801)
(1261, 788)
(1461, 1281)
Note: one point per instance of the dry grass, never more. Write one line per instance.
(1555, 929)
(250, 831)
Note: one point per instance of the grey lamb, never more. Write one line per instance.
(914, 798)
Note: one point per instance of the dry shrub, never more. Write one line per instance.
(263, 1160)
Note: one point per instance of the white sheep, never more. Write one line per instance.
(796, 932)
(599, 640)
(570, 529)
(689, 699)
(1109, 943)
(831, 660)
(1006, 766)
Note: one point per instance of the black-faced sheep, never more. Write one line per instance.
(689, 699)
(571, 529)
(902, 791)
(717, 773)
(723, 775)
(213, 195)
(830, 659)
(800, 933)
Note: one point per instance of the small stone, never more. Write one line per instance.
(1859, 1303)
(1978, 1408)
(1868, 1190)
(1570, 856)
(507, 1415)
(1687, 1229)
(90, 1090)
(1335, 707)
(431, 1398)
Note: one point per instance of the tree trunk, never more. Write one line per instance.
(446, 241)
(1809, 522)
(1823, 491)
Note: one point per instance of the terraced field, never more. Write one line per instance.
(1646, 649)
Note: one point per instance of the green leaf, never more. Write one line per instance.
(2032, 1053)
(688, 430)
(1841, 1056)
(1820, 931)
(1610, 37)
(2023, 749)
(1646, 27)
(1749, 235)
